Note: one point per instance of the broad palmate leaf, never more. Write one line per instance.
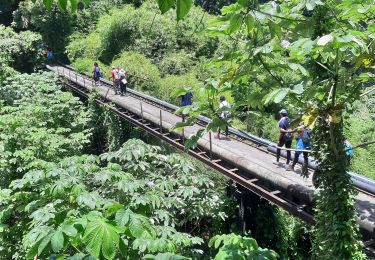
(101, 236)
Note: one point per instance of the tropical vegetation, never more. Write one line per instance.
(76, 181)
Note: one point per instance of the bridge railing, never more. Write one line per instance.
(361, 182)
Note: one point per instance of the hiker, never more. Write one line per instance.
(303, 144)
(115, 78)
(224, 105)
(285, 137)
(348, 148)
(123, 81)
(96, 73)
(186, 100)
(50, 56)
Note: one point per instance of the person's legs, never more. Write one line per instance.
(305, 162)
(278, 151)
(295, 160)
(288, 152)
(121, 88)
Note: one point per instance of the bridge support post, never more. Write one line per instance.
(161, 122)
(210, 137)
(140, 103)
(183, 129)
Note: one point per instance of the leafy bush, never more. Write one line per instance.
(133, 197)
(22, 51)
(234, 246)
(176, 63)
(55, 26)
(142, 74)
(38, 121)
(360, 129)
(84, 46)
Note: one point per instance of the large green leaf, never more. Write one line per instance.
(138, 225)
(182, 8)
(281, 95)
(48, 4)
(101, 236)
(62, 4)
(165, 5)
(235, 23)
(73, 5)
(57, 241)
(244, 3)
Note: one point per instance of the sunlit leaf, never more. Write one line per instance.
(182, 8)
(165, 5)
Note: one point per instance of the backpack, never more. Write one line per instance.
(306, 137)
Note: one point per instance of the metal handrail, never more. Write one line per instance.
(359, 181)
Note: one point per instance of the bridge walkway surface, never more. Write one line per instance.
(253, 166)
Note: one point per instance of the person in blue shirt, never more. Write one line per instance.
(96, 73)
(303, 144)
(50, 56)
(348, 148)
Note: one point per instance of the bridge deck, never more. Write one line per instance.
(255, 162)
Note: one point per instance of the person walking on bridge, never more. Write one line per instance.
(115, 78)
(285, 137)
(96, 73)
(123, 82)
(224, 105)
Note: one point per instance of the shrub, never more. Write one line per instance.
(142, 74)
(21, 50)
(117, 30)
(84, 46)
(176, 63)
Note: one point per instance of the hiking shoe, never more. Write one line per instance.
(290, 168)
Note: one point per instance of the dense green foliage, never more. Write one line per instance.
(38, 122)
(22, 51)
(130, 201)
(69, 214)
(137, 200)
(153, 51)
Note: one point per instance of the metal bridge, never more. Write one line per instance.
(245, 159)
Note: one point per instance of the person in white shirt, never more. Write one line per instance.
(224, 115)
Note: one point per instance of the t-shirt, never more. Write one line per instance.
(284, 123)
(96, 70)
(186, 99)
(50, 55)
(348, 150)
(114, 74)
(224, 114)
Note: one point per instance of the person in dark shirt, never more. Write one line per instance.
(186, 100)
(285, 137)
(96, 73)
